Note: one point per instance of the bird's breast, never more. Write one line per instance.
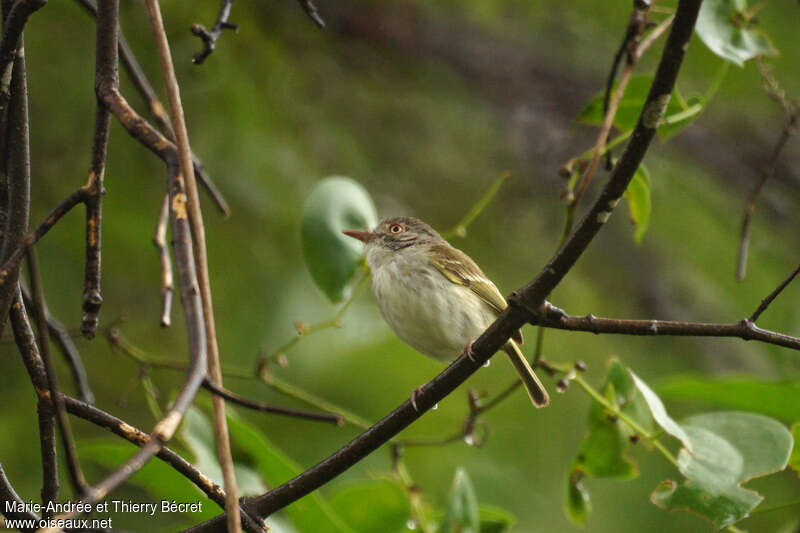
(428, 311)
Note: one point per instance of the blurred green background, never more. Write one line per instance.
(424, 103)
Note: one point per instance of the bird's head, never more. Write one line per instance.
(394, 235)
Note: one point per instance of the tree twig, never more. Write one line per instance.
(270, 408)
(160, 242)
(774, 294)
(68, 442)
(62, 337)
(26, 343)
(210, 37)
(8, 494)
(311, 10)
(530, 298)
(201, 261)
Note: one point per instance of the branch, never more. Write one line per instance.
(552, 317)
(512, 318)
(62, 337)
(140, 438)
(67, 440)
(224, 453)
(270, 408)
(160, 241)
(26, 343)
(210, 38)
(311, 10)
(774, 294)
(14, 23)
(8, 494)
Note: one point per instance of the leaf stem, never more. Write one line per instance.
(460, 229)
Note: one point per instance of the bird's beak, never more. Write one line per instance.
(363, 236)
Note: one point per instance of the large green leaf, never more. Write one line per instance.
(159, 479)
(794, 458)
(198, 435)
(776, 399)
(638, 196)
(372, 506)
(724, 27)
(659, 412)
(309, 514)
(727, 449)
(462, 510)
(335, 204)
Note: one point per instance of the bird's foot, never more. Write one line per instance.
(468, 351)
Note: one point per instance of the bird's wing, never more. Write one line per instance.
(459, 268)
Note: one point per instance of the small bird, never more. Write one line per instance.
(434, 296)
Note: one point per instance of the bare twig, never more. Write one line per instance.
(270, 408)
(14, 21)
(524, 301)
(157, 109)
(774, 294)
(62, 337)
(789, 129)
(68, 442)
(210, 37)
(8, 494)
(26, 343)
(201, 261)
(160, 241)
(311, 10)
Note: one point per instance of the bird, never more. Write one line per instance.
(435, 297)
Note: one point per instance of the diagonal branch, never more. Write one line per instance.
(210, 37)
(529, 298)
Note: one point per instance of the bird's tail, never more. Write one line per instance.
(536, 390)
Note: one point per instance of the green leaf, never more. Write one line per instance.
(794, 458)
(724, 27)
(727, 449)
(372, 506)
(462, 510)
(659, 412)
(495, 520)
(309, 514)
(602, 452)
(780, 400)
(198, 435)
(578, 504)
(335, 204)
(638, 196)
(156, 477)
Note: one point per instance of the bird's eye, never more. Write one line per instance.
(395, 228)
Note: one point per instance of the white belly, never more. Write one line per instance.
(428, 311)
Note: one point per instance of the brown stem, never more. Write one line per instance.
(68, 442)
(210, 37)
(201, 261)
(160, 241)
(774, 294)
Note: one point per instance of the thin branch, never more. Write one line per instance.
(157, 109)
(14, 22)
(160, 242)
(210, 37)
(63, 339)
(26, 343)
(789, 129)
(311, 10)
(774, 294)
(529, 298)
(106, 75)
(201, 261)
(68, 442)
(270, 408)
(139, 438)
(8, 494)
(552, 317)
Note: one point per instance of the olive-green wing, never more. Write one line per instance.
(459, 268)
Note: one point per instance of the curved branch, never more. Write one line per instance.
(529, 298)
